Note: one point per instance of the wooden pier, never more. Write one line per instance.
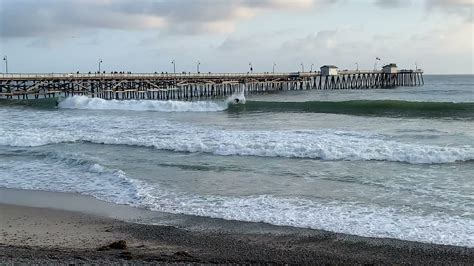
(194, 86)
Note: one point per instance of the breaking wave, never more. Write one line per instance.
(327, 145)
(87, 103)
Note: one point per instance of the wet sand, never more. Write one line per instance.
(46, 235)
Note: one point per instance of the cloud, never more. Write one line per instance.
(450, 3)
(457, 7)
(24, 18)
(40, 18)
(261, 39)
(332, 47)
(392, 3)
(446, 48)
(320, 40)
(233, 44)
(446, 40)
(326, 40)
(462, 8)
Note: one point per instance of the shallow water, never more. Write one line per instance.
(385, 163)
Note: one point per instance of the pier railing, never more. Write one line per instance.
(138, 75)
(183, 75)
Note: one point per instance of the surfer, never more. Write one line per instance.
(236, 101)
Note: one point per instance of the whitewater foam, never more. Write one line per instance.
(74, 173)
(336, 216)
(86, 103)
(237, 98)
(71, 172)
(312, 144)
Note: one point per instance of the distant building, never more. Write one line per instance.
(329, 70)
(390, 69)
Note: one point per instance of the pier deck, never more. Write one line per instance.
(193, 86)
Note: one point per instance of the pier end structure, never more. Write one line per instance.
(390, 69)
(329, 70)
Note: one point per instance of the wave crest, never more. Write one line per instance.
(323, 145)
(390, 108)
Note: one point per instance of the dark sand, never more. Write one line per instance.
(44, 235)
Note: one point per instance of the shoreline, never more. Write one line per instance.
(46, 233)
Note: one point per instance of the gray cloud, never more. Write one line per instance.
(326, 40)
(461, 8)
(232, 44)
(450, 3)
(64, 18)
(40, 18)
(458, 7)
(392, 3)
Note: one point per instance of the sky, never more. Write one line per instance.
(62, 36)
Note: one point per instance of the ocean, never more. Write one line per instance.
(395, 163)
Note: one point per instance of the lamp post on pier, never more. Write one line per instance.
(198, 64)
(375, 64)
(416, 66)
(302, 67)
(274, 65)
(100, 62)
(174, 66)
(357, 64)
(312, 65)
(251, 67)
(6, 64)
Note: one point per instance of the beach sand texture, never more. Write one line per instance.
(42, 235)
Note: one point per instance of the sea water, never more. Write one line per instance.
(395, 163)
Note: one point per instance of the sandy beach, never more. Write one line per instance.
(47, 235)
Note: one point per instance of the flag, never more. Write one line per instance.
(377, 58)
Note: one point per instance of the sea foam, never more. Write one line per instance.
(327, 145)
(73, 173)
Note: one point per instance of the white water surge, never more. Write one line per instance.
(87, 103)
(312, 144)
(70, 173)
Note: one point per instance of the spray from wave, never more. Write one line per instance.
(86, 103)
(238, 97)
